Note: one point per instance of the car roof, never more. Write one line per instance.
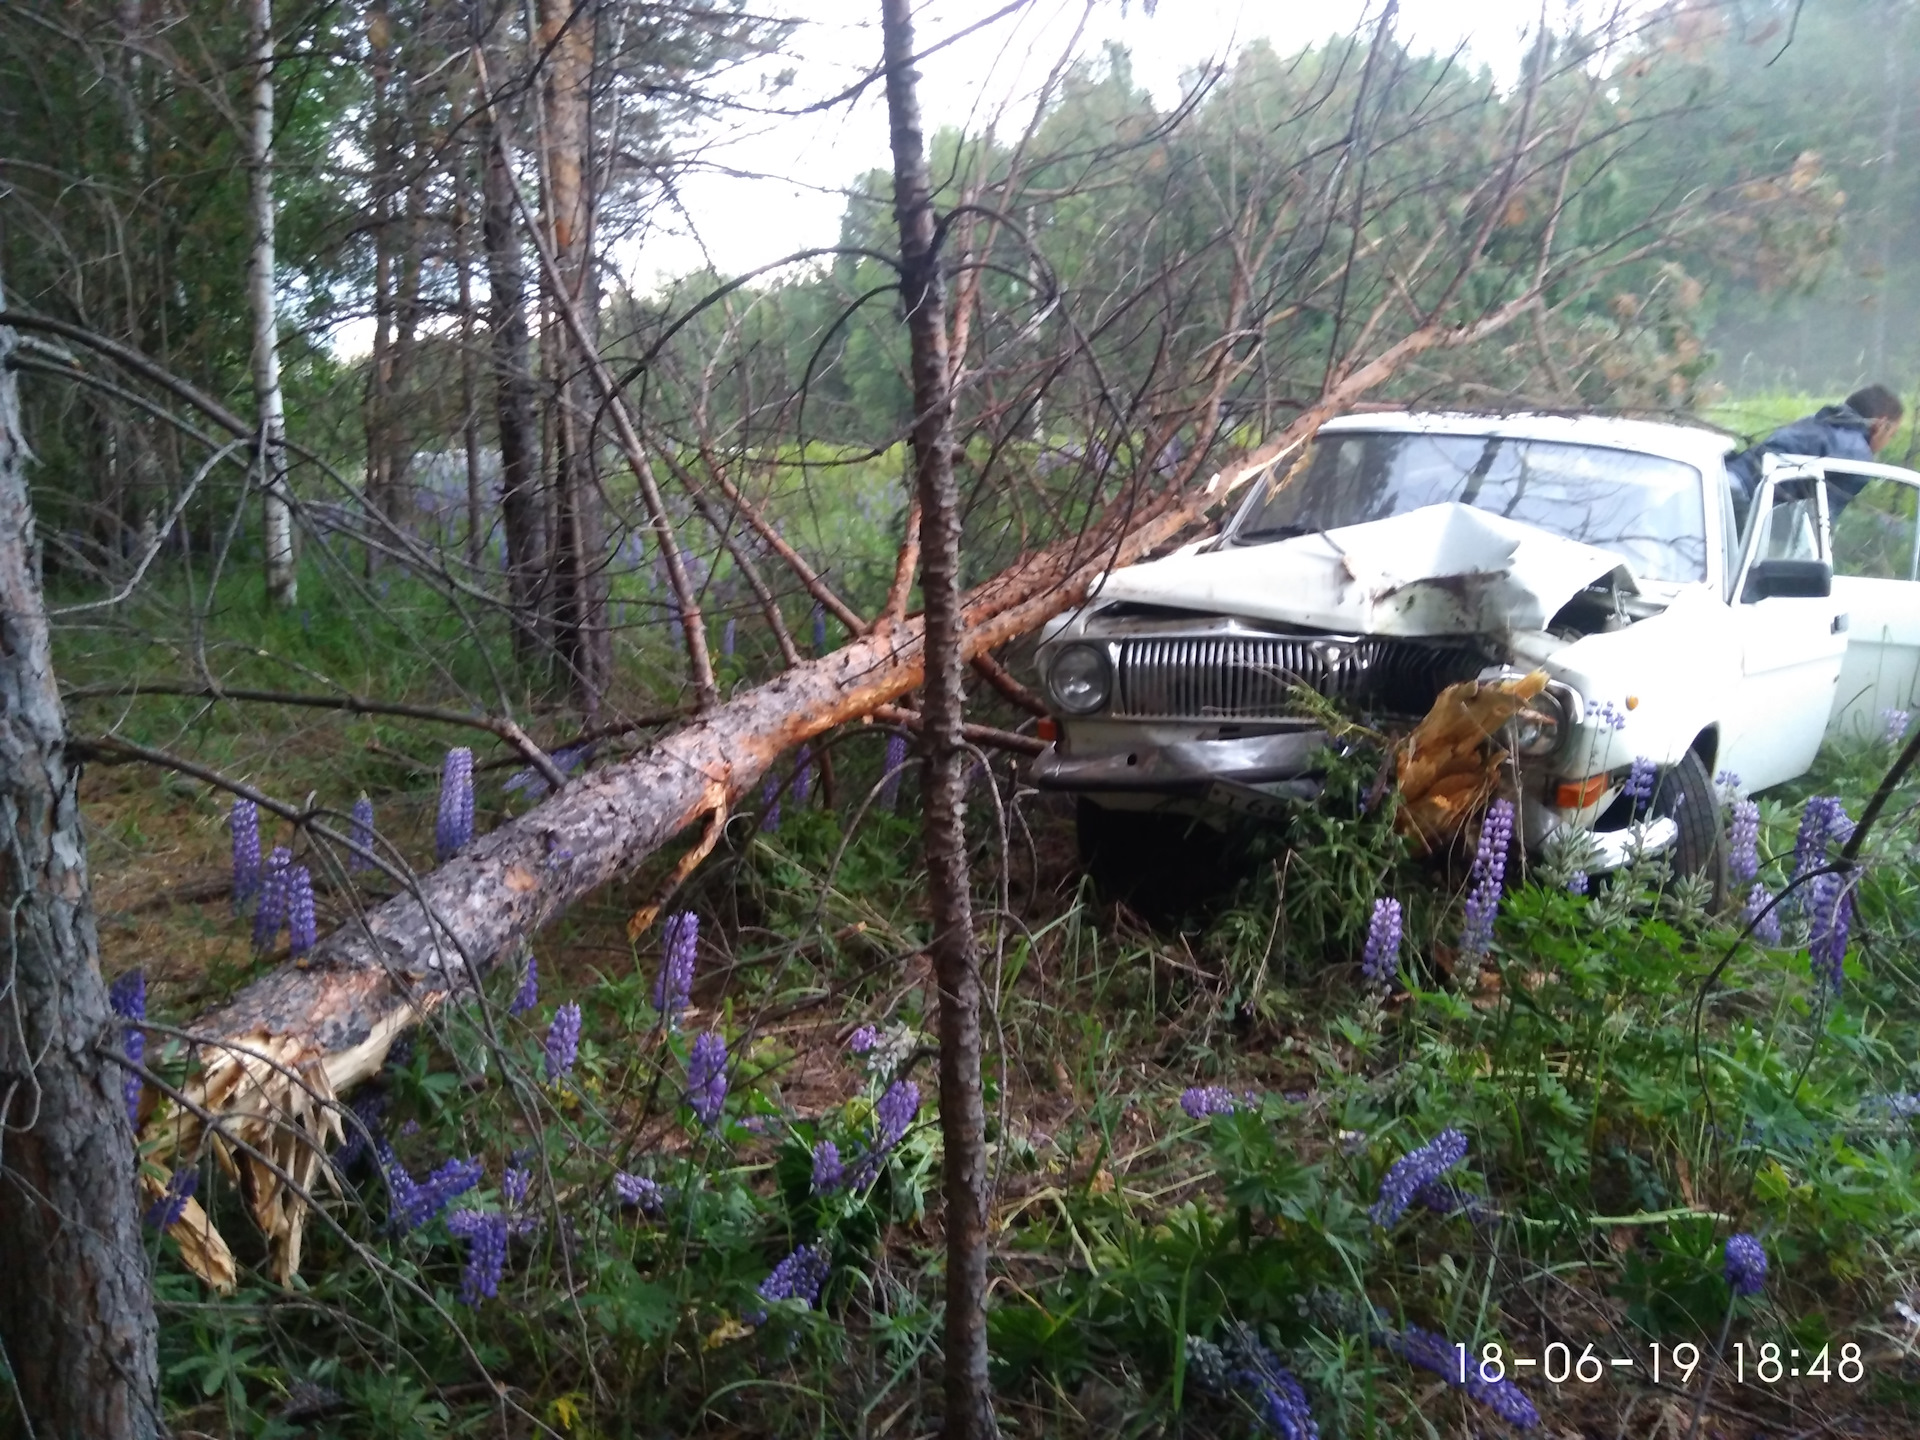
(1694, 445)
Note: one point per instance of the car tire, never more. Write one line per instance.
(1685, 793)
(1161, 863)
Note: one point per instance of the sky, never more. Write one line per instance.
(769, 186)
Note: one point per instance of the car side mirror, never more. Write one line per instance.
(1788, 579)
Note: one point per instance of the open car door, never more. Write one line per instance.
(1876, 584)
(1792, 634)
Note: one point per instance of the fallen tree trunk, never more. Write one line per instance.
(277, 1055)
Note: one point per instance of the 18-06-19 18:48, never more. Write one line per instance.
(1767, 1363)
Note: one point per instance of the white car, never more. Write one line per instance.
(1401, 552)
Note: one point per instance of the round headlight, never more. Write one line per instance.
(1079, 680)
(1541, 728)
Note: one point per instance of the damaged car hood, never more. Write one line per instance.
(1442, 570)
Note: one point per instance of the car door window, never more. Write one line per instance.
(1874, 532)
(1792, 526)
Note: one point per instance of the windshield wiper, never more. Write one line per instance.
(1276, 532)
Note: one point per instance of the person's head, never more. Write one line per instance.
(1882, 411)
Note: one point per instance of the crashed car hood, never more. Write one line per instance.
(1442, 570)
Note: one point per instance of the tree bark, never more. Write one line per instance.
(521, 511)
(278, 509)
(76, 1316)
(582, 640)
(956, 959)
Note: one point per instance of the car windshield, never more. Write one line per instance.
(1647, 509)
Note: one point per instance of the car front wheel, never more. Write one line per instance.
(1684, 794)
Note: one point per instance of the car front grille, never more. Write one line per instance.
(1251, 677)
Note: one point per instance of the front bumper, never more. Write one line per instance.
(1186, 767)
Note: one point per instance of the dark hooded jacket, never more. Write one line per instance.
(1835, 432)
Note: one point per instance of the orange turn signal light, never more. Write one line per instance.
(1578, 794)
(1048, 729)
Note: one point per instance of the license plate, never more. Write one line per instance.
(1245, 800)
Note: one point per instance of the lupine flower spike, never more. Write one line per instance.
(1201, 1101)
(638, 1192)
(528, 995)
(770, 804)
(895, 765)
(1766, 927)
(168, 1209)
(819, 631)
(245, 824)
(1414, 1171)
(1830, 907)
(1276, 1395)
(829, 1172)
(127, 998)
(1896, 722)
(1489, 872)
(679, 945)
(415, 1202)
(1743, 840)
(563, 1041)
(1433, 1352)
(798, 1277)
(1382, 959)
(1639, 786)
(803, 775)
(301, 924)
(1823, 818)
(486, 1237)
(707, 1077)
(360, 832)
(272, 913)
(453, 830)
(1746, 1265)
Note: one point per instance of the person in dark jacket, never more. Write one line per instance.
(1856, 429)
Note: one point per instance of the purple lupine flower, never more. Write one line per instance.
(1766, 927)
(486, 1237)
(1728, 783)
(415, 1202)
(360, 833)
(365, 1134)
(1382, 958)
(863, 1040)
(1817, 824)
(829, 1172)
(1276, 1396)
(453, 829)
(301, 925)
(528, 995)
(1612, 716)
(1489, 870)
(770, 804)
(1639, 786)
(567, 759)
(1433, 1352)
(892, 1115)
(707, 1076)
(803, 775)
(896, 768)
(1746, 1264)
(1743, 840)
(1579, 883)
(563, 1041)
(515, 1185)
(1415, 1170)
(638, 1192)
(1441, 1198)
(168, 1209)
(1896, 722)
(1830, 907)
(726, 640)
(679, 944)
(1201, 1101)
(819, 631)
(272, 913)
(244, 821)
(798, 1277)
(127, 998)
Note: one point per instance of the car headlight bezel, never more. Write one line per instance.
(1095, 678)
(1547, 722)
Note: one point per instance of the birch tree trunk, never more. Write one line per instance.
(268, 400)
(956, 960)
(76, 1316)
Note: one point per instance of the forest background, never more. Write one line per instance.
(551, 517)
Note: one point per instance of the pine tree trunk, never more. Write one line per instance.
(268, 400)
(956, 960)
(76, 1315)
(521, 511)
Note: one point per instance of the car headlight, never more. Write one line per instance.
(1543, 726)
(1079, 679)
